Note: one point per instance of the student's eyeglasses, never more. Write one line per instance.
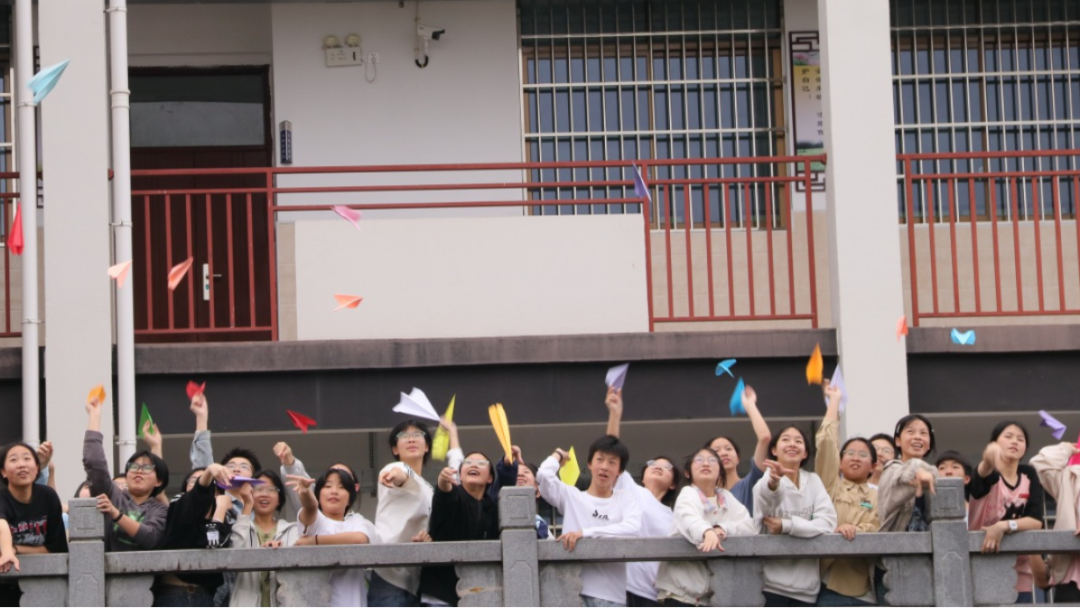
(660, 465)
(134, 467)
(261, 490)
(886, 452)
(475, 463)
(238, 466)
(411, 435)
(706, 460)
(856, 453)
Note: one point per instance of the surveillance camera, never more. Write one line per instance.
(428, 32)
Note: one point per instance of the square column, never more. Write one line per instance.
(864, 238)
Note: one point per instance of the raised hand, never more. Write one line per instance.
(284, 454)
(45, 454)
(776, 472)
(614, 401)
(392, 478)
(152, 437)
(300, 483)
(220, 474)
(448, 478)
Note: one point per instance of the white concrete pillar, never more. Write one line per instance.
(75, 146)
(864, 245)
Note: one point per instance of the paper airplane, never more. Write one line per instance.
(238, 482)
(901, 327)
(968, 337)
(814, 366)
(120, 272)
(352, 215)
(144, 417)
(570, 472)
(837, 380)
(440, 445)
(178, 273)
(501, 426)
(1057, 429)
(347, 301)
(194, 389)
(640, 188)
(301, 421)
(724, 367)
(43, 82)
(616, 376)
(416, 404)
(98, 392)
(735, 404)
(1075, 457)
(15, 241)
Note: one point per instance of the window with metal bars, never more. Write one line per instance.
(625, 80)
(987, 76)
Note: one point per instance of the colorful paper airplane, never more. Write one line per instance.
(901, 327)
(144, 417)
(238, 482)
(965, 338)
(815, 366)
(43, 82)
(178, 273)
(735, 404)
(352, 215)
(15, 241)
(194, 389)
(616, 376)
(416, 404)
(501, 426)
(1057, 429)
(347, 301)
(640, 188)
(120, 272)
(570, 472)
(724, 367)
(837, 380)
(301, 421)
(1075, 457)
(440, 445)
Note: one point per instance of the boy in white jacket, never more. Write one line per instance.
(789, 500)
(602, 511)
(705, 514)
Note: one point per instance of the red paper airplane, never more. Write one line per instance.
(195, 389)
(15, 242)
(301, 421)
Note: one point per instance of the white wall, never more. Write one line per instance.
(465, 107)
(198, 34)
(472, 277)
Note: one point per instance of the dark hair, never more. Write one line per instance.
(906, 422)
(19, 444)
(400, 428)
(160, 468)
(1000, 428)
(245, 454)
(884, 437)
(610, 444)
(491, 465)
(85, 484)
(351, 471)
(183, 487)
(532, 468)
(276, 480)
(806, 443)
(863, 440)
(958, 458)
(708, 444)
(721, 481)
(669, 497)
(346, 480)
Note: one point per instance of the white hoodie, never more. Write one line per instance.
(806, 512)
(688, 582)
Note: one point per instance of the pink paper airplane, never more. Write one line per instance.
(352, 215)
(178, 273)
(120, 272)
(347, 301)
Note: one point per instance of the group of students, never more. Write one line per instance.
(863, 485)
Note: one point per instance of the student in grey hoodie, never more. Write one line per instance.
(136, 518)
(790, 500)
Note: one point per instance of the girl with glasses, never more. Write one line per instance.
(659, 486)
(705, 514)
(846, 471)
(259, 526)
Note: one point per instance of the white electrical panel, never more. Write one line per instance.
(340, 57)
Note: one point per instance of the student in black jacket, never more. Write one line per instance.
(461, 509)
(196, 521)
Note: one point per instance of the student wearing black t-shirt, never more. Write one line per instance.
(31, 516)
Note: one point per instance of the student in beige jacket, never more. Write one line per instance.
(1058, 467)
(705, 514)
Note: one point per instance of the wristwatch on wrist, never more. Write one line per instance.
(1013, 526)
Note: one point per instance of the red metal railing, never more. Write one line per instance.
(193, 213)
(1001, 214)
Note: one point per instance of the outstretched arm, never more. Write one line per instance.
(614, 405)
(761, 428)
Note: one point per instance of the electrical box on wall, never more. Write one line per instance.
(340, 57)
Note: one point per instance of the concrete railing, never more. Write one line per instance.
(942, 567)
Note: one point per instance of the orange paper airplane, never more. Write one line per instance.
(901, 327)
(347, 301)
(98, 392)
(120, 272)
(814, 367)
(178, 273)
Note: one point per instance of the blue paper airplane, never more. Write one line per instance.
(44, 81)
(640, 189)
(968, 337)
(736, 399)
(724, 367)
